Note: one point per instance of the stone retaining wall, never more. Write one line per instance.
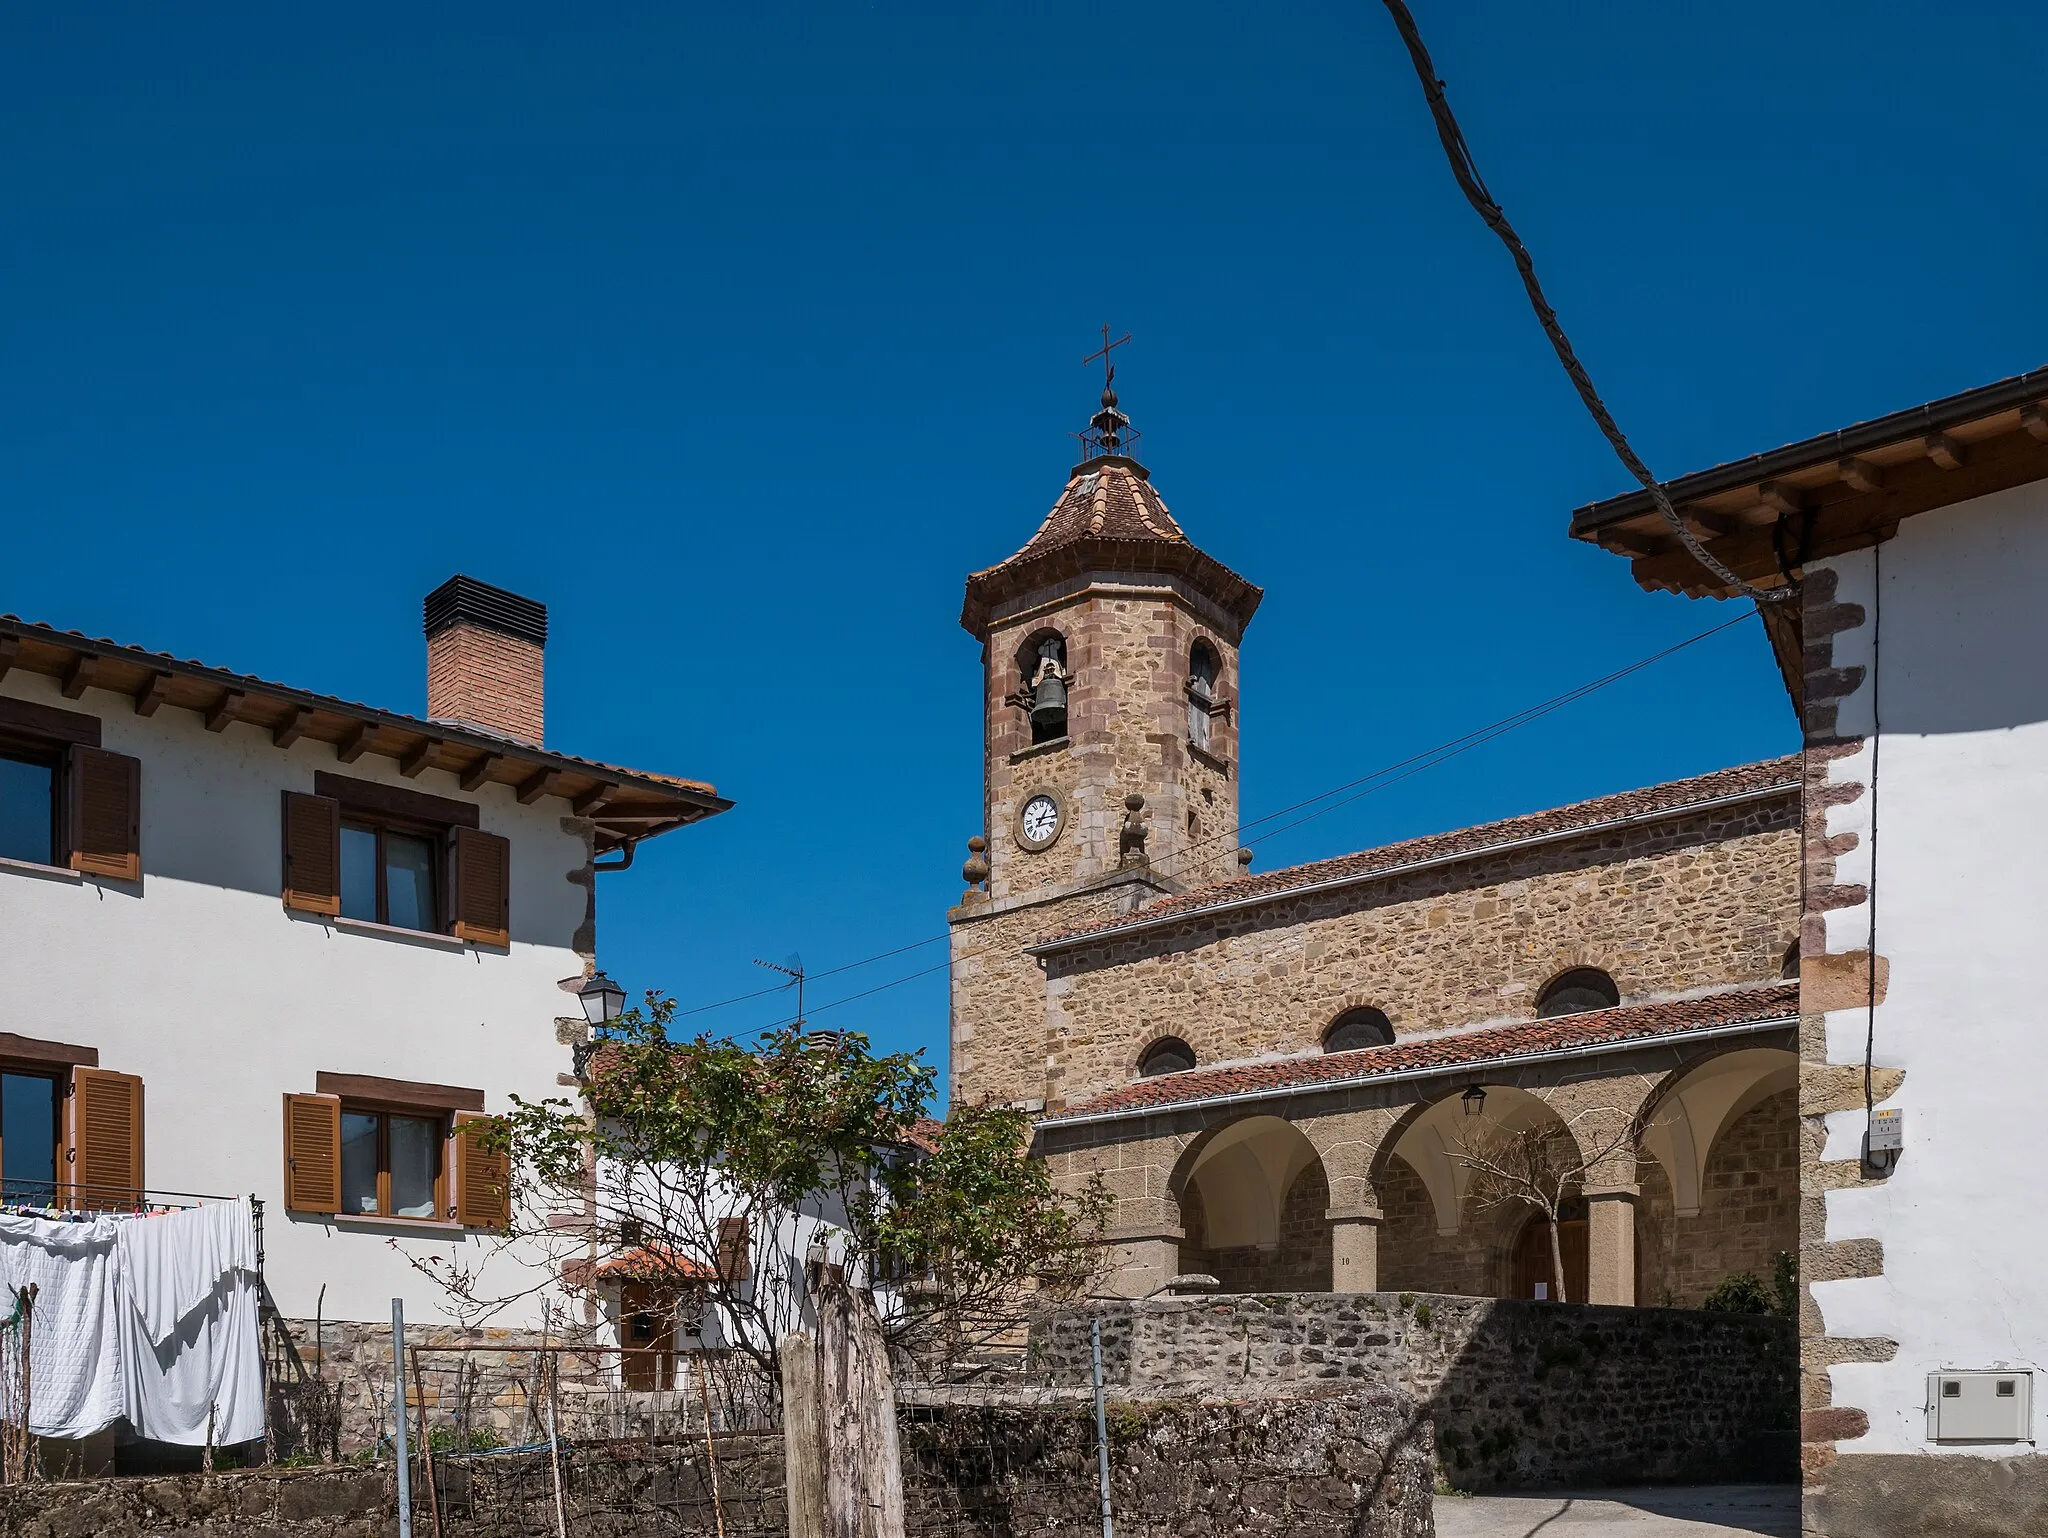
(1523, 1395)
(1333, 1466)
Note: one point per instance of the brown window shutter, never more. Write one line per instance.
(312, 853)
(312, 1153)
(735, 1250)
(103, 813)
(483, 1193)
(480, 866)
(105, 1125)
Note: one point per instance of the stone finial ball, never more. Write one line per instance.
(1244, 859)
(1134, 802)
(977, 843)
(975, 871)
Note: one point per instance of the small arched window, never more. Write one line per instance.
(1788, 968)
(1357, 1029)
(1169, 1054)
(1204, 668)
(1042, 684)
(1576, 991)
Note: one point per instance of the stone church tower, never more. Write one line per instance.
(1110, 729)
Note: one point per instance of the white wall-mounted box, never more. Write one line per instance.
(1992, 1405)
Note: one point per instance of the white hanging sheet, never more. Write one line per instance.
(189, 1325)
(74, 1338)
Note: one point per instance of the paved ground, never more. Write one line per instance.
(1699, 1511)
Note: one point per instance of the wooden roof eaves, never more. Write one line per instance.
(647, 804)
(1900, 427)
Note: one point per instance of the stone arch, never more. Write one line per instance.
(1437, 1235)
(1686, 1114)
(1254, 1199)
(1720, 1180)
(1163, 1055)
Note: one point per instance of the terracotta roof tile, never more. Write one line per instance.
(1625, 1025)
(1106, 499)
(652, 1263)
(1674, 796)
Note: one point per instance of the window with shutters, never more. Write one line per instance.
(393, 1151)
(64, 800)
(384, 855)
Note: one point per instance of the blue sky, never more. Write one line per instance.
(738, 335)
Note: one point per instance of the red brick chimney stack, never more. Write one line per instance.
(485, 651)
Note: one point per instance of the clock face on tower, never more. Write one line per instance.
(1038, 824)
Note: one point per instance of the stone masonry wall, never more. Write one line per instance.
(1317, 1466)
(1414, 1257)
(1696, 902)
(1523, 1395)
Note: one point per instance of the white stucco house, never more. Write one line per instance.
(1913, 647)
(259, 940)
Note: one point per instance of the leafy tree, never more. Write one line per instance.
(714, 1174)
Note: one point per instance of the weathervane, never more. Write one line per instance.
(1109, 430)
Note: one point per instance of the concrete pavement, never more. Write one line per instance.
(1695, 1511)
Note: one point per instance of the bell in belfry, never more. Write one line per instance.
(1049, 700)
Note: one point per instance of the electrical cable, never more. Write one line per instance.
(1412, 765)
(1466, 170)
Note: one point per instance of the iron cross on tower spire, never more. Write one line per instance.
(1109, 430)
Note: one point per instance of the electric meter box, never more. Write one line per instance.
(1888, 1132)
(1987, 1406)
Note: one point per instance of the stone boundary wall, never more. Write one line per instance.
(1333, 1466)
(487, 1391)
(1523, 1395)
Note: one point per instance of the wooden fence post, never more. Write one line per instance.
(803, 1435)
(863, 1464)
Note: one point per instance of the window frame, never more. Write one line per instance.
(58, 1075)
(44, 735)
(20, 748)
(444, 1195)
(433, 835)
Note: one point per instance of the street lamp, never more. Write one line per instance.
(603, 1000)
(1474, 1100)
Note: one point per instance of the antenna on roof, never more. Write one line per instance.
(794, 970)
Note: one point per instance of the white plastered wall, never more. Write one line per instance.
(200, 982)
(1961, 806)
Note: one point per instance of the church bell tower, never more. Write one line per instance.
(1110, 731)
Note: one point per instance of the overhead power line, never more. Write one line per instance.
(1466, 170)
(1357, 789)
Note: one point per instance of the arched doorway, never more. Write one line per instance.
(1254, 1202)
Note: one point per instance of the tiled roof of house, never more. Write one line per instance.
(652, 1263)
(1108, 517)
(1669, 799)
(625, 803)
(1620, 1027)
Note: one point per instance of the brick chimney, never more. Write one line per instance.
(484, 658)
